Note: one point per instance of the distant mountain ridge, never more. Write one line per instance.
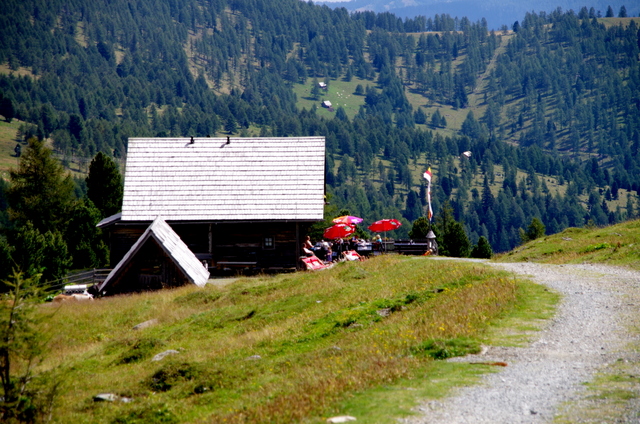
(496, 12)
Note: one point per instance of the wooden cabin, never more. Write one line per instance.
(236, 203)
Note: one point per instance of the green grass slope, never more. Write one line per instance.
(614, 245)
(290, 348)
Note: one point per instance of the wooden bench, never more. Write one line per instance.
(236, 264)
(410, 247)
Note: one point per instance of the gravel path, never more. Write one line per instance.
(587, 334)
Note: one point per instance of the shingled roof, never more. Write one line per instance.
(222, 179)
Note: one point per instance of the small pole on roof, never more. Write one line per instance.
(192, 141)
(228, 140)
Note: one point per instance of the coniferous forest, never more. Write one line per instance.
(549, 108)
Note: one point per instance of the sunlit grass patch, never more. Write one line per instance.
(447, 348)
(594, 247)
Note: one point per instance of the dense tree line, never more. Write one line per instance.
(50, 230)
(561, 101)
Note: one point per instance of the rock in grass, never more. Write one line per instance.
(145, 324)
(384, 312)
(106, 397)
(111, 397)
(162, 355)
(341, 419)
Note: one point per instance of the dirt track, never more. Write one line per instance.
(590, 334)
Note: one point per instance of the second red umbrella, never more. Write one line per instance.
(338, 231)
(385, 225)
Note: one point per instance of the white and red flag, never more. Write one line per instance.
(427, 176)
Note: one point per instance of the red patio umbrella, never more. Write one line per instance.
(385, 225)
(347, 219)
(338, 231)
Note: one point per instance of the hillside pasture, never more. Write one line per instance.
(340, 93)
(288, 348)
(614, 245)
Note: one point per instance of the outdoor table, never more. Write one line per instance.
(364, 249)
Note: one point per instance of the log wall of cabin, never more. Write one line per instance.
(234, 242)
(122, 239)
(246, 243)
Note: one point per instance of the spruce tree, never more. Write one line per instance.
(536, 229)
(85, 240)
(457, 241)
(420, 228)
(39, 190)
(483, 249)
(6, 109)
(104, 185)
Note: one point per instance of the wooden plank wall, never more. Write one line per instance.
(241, 242)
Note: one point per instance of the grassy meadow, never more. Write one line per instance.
(614, 245)
(339, 93)
(358, 339)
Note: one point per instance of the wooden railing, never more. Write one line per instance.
(89, 277)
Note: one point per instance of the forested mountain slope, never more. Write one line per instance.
(549, 109)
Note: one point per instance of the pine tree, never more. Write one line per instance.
(104, 185)
(482, 249)
(230, 125)
(451, 236)
(413, 206)
(85, 240)
(623, 12)
(6, 109)
(536, 229)
(40, 192)
(488, 200)
(420, 228)
(457, 241)
(609, 13)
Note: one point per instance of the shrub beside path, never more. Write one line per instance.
(594, 336)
